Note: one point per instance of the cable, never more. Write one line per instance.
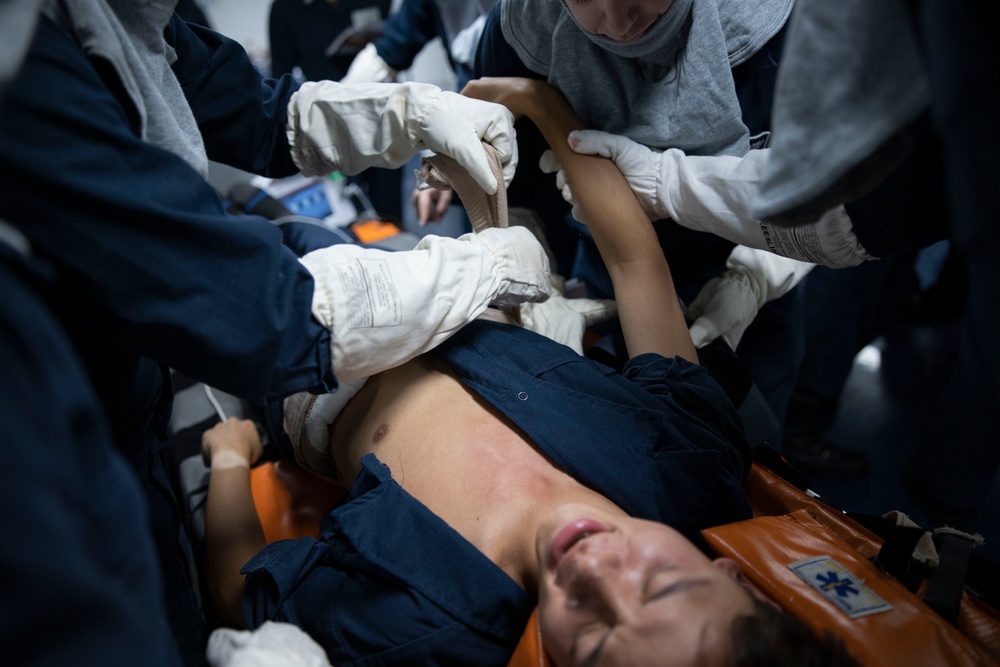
(210, 395)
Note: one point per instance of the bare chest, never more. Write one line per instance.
(454, 453)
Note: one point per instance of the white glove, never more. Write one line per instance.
(383, 308)
(713, 194)
(270, 644)
(368, 67)
(565, 320)
(307, 421)
(350, 127)
(726, 305)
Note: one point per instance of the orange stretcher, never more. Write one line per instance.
(789, 527)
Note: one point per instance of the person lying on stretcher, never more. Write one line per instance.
(503, 471)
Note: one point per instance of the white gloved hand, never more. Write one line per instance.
(565, 320)
(350, 127)
(726, 305)
(271, 644)
(383, 308)
(638, 164)
(369, 67)
(713, 194)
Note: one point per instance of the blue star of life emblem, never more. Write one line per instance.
(839, 586)
(842, 587)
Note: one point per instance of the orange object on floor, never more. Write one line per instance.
(373, 231)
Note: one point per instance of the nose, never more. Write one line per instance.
(603, 581)
(619, 18)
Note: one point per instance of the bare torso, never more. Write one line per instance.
(457, 455)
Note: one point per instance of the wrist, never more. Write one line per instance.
(539, 98)
(228, 459)
(419, 99)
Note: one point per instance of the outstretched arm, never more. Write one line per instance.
(648, 308)
(233, 534)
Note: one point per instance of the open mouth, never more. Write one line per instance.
(572, 534)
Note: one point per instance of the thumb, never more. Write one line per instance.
(548, 163)
(466, 149)
(703, 331)
(593, 311)
(478, 167)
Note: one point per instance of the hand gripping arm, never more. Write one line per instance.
(384, 308)
(713, 194)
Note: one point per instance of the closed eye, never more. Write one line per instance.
(676, 587)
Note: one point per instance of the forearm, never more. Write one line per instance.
(240, 114)
(233, 535)
(648, 308)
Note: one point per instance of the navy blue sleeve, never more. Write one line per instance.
(77, 547)
(703, 417)
(145, 255)
(690, 389)
(388, 583)
(407, 31)
(240, 113)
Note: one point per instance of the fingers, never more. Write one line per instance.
(703, 332)
(442, 204)
(239, 436)
(594, 311)
(549, 163)
(500, 134)
(473, 158)
(421, 205)
(430, 204)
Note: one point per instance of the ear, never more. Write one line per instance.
(733, 569)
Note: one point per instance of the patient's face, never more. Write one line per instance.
(622, 591)
(620, 20)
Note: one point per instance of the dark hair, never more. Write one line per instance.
(772, 638)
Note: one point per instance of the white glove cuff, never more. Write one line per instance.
(307, 422)
(839, 244)
(333, 126)
(520, 265)
(770, 276)
(383, 308)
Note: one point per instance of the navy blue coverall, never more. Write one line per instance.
(147, 271)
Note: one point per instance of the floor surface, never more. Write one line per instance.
(881, 412)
